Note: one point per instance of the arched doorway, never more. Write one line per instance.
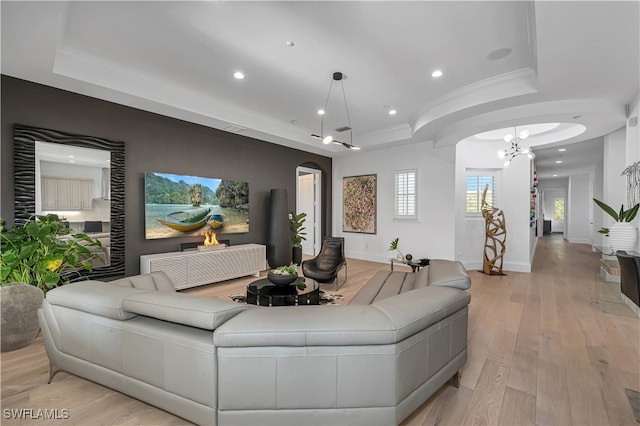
(309, 201)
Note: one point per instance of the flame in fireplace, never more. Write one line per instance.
(210, 238)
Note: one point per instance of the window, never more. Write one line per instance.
(405, 194)
(558, 209)
(476, 181)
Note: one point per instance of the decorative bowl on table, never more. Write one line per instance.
(281, 280)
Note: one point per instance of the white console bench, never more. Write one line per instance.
(193, 268)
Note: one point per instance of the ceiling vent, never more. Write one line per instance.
(343, 129)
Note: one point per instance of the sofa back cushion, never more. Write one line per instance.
(382, 285)
(450, 273)
(158, 281)
(95, 297)
(196, 311)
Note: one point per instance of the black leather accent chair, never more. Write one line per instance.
(629, 275)
(325, 266)
(92, 226)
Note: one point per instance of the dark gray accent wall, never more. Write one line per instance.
(160, 144)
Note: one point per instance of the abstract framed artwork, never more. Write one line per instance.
(359, 204)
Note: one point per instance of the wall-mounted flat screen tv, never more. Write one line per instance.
(180, 206)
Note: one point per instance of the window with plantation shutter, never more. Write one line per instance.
(405, 188)
(476, 182)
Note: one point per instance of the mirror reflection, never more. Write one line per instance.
(74, 183)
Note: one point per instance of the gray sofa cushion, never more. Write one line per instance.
(416, 310)
(385, 322)
(439, 272)
(448, 273)
(382, 285)
(334, 325)
(96, 297)
(158, 281)
(201, 312)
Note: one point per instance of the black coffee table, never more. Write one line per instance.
(264, 293)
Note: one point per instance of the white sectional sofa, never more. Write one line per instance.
(215, 362)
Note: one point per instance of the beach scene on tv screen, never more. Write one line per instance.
(179, 206)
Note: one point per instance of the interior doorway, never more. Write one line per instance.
(309, 201)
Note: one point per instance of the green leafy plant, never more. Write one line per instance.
(290, 270)
(394, 246)
(621, 216)
(43, 252)
(297, 229)
(286, 270)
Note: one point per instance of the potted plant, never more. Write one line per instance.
(622, 234)
(394, 246)
(283, 275)
(36, 257)
(297, 234)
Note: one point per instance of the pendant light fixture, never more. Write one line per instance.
(328, 138)
(515, 149)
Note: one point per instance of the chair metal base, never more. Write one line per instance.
(336, 284)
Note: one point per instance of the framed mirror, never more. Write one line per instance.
(29, 199)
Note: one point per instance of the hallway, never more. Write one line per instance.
(541, 349)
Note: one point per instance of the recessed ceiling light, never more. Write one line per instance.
(290, 43)
(72, 161)
(71, 156)
(239, 75)
(392, 112)
(558, 161)
(562, 149)
(320, 112)
(555, 175)
(437, 74)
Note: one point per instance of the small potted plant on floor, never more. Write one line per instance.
(297, 234)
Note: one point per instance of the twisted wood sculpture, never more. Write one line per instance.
(495, 237)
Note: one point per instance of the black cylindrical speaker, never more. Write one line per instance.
(279, 247)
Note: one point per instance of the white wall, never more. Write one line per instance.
(632, 148)
(433, 235)
(614, 191)
(513, 197)
(579, 205)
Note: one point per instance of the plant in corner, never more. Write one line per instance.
(297, 234)
(43, 252)
(622, 234)
(36, 257)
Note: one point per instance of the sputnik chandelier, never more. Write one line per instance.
(328, 139)
(515, 149)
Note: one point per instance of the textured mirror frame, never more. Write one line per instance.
(24, 182)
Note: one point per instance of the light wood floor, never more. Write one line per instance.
(541, 351)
